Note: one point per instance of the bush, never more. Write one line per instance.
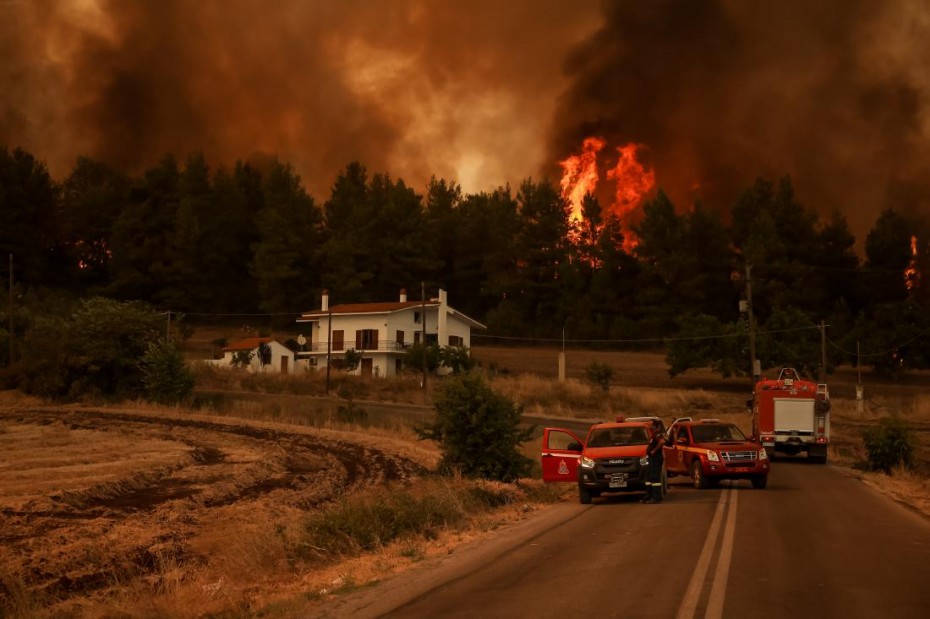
(353, 359)
(888, 445)
(95, 351)
(456, 358)
(166, 377)
(371, 521)
(478, 430)
(413, 357)
(600, 374)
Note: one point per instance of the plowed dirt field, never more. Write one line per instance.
(92, 498)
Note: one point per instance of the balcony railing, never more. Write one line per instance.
(379, 346)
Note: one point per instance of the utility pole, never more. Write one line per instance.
(823, 352)
(329, 342)
(423, 332)
(859, 395)
(11, 309)
(754, 370)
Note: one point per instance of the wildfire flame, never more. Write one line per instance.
(633, 182)
(579, 174)
(911, 274)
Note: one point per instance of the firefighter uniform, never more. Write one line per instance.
(656, 459)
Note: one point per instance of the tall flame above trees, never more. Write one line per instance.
(632, 179)
(580, 176)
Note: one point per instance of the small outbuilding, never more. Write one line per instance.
(258, 354)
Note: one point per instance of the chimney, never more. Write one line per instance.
(324, 306)
(403, 295)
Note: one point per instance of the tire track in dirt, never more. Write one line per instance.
(50, 541)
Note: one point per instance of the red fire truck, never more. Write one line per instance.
(792, 415)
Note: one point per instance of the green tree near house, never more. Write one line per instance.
(165, 375)
(478, 430)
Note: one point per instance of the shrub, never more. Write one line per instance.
(353, 359)
(95, 351)
(413, 357)
(371, 521)
(600, 374)
(456, 358)
(888, 445)
(242, 358)
(478, 430)
(166, 377)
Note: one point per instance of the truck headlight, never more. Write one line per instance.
(587, 462)
(712, 456)
(644, 461)
(763, 455)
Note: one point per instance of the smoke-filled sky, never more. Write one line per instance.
(718, 92)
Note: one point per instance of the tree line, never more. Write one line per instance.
(192, 238)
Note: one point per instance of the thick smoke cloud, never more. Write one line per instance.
(833, 93)
(462, 90)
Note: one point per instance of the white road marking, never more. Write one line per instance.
(693, 593)
(721, 574)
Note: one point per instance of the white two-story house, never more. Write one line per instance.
(381, 332)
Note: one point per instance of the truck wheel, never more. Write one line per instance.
(697, 476)
(760, 481)
(584, 496)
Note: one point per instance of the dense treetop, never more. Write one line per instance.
(185, 237)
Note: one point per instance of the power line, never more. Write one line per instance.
(882, 353)
(640, 340)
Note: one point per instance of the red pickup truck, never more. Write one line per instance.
(711, 450)
(612, 458)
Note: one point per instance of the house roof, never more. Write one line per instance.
(367, 308)
(383, 308)
(249, 343)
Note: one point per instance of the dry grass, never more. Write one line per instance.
(228, 538)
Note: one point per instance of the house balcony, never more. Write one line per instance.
(388, 346)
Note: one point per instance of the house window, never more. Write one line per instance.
(399, 338)
(339, 340)
(455, 340)
(366, 339)
(416, 317)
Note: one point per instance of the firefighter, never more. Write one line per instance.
(656, 459)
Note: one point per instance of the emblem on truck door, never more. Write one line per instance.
(563, 468)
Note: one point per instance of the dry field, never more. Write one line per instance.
(143, 512)
(93, 501)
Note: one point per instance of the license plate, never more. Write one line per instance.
(618, 480)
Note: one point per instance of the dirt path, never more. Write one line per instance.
(90, 497)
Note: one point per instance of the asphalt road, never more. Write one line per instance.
(815, 543)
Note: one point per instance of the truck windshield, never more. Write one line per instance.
(618, 437)
(716, 434)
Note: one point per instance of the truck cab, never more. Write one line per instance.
(610, 459)
(710, 450)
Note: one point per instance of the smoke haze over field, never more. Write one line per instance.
(834, 93)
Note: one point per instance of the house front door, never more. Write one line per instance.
(367, 367)
(284, 360)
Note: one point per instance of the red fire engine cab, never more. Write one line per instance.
(792, 415)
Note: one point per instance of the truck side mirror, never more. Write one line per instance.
(682, 440)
